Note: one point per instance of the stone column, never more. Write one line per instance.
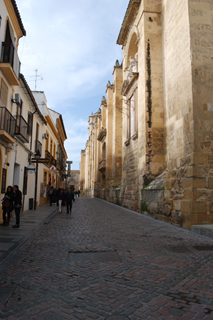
(109, 128)
(117, 126)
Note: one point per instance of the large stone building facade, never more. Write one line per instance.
(150, 144)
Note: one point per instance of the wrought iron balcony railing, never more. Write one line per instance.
(21, 130)
(7, 121)
(10, 56)
(48, 156)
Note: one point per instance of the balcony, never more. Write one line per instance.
(7, 125)
(38, 146)
(61, 165)
(102, 166)
(21, 130)
(10, 64)
(50, 158)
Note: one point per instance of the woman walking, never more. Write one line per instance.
(7, 205)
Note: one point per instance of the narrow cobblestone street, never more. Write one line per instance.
(103, 261)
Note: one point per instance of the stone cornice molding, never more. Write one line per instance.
(109, 86)
(129, 17)
(102, 134)
(127, 142)
(127, 84)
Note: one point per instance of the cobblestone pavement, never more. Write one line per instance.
(106, 262)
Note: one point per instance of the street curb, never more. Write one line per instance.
(162, 222)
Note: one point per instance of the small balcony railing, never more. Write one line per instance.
(62, 165)
(38, 146)
(21, 130)
(10, 56)
(52, 161)
(7, 125)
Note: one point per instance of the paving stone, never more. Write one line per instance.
(148, 281)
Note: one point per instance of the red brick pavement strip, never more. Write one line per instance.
(150, 282)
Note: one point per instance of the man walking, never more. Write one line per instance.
(51, 195)
(17, 204)
(69, 198)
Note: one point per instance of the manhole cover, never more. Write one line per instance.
(204, 248)
(178, 249)
(5, 294)
(99, 256)
(117, 317)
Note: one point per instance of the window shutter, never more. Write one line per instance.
(30, 123)
(3, 94)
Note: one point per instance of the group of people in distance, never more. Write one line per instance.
(62, 198)
(12, 200)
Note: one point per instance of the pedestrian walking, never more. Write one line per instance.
(78, 193)
(17, 204)
(61, 199)
(57, 196)
(51, 195)
(69, 198)
(7, 205)
(54, 196)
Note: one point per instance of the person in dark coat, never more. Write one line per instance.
(69, 198)
(7, 205)
(54, 195)
(51, 195)
(17, 204)
(61, 199)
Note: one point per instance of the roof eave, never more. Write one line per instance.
(32, 97)
(15, 7)
(129, 17)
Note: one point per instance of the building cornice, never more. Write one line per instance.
(129, 17)
(127, 84)
(31, 96)
(102, 134)
(49, 121)
(15, 17)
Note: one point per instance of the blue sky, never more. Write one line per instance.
(73, 46)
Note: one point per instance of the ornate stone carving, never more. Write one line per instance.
(102, 134)
(133, 67)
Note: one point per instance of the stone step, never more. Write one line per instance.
(204, 230)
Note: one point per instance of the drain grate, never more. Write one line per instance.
(204, 248)
(178, 249)
(94, 256)
(5, 294)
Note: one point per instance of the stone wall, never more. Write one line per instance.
(188, 71)
(166, 75)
